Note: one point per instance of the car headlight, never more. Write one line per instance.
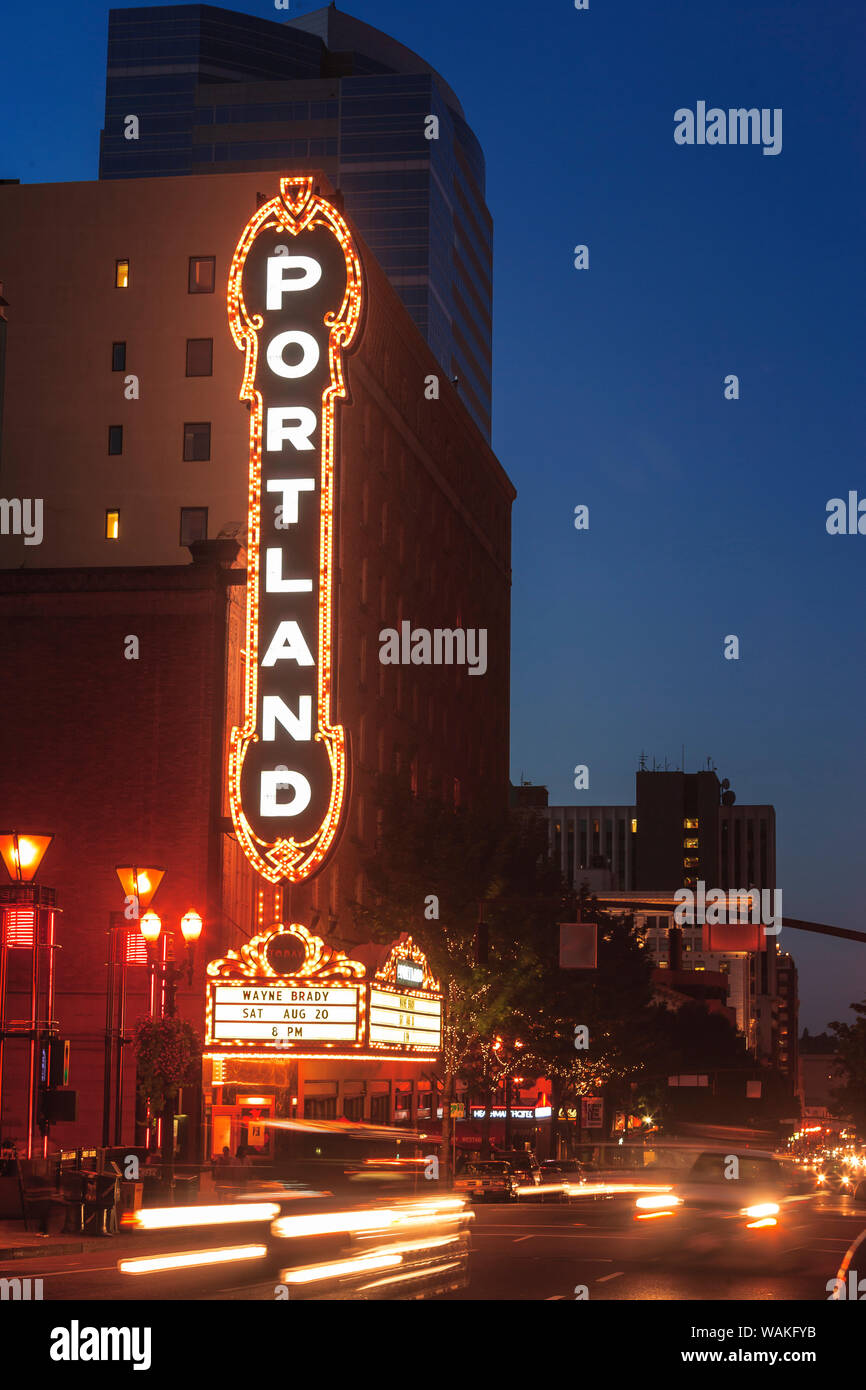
(762, 1209)
(658, 1199)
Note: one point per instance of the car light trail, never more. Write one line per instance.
(168, 1218)
(333, 1223)
(190, 1259)
(313, 1274)
(762, 1209)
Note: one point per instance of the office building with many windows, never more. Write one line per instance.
(194, 89)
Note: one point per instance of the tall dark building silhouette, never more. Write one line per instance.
(215, 91)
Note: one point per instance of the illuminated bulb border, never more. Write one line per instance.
(297, 209)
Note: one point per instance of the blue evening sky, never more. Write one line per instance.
(707, 516)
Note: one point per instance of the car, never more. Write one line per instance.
(559, 1176)
(488, 1180)
(523, 1164)
(832, 1178)
(727, 1200)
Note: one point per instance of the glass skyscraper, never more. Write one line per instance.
(215, 91)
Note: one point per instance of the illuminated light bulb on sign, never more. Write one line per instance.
(294, 300)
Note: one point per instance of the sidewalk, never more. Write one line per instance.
(18, 1244)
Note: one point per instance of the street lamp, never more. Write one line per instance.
(22, 854)
(27, 912)
(139, 883)
(168, 973)
(150, 927)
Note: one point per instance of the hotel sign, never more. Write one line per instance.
(294, 298)
(287, 991)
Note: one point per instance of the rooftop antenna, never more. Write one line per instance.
(642, 762)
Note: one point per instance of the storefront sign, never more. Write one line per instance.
(294, 296)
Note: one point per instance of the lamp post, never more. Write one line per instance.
(27, 919)
(140, 884)
(167, 973)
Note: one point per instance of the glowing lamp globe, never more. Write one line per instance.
(190, 925)
(151, 926)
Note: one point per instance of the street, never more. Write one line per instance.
(525, 1252)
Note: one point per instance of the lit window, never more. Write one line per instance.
(118, 357)
(112, 526)
(691, 844)
(193, 524)
(196, 441)
(202, 274)
(115, 439)
(634, 827)
(690, 863)
(691, 824)
(121, 275)
(199, 356)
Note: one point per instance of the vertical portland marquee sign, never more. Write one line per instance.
(294, 300)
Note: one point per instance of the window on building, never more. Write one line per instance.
(196, 441)
(320, 1107)
(202, 274)
(115, 439)
(199, 356)
(118, 357)
(380, 1110)
(112, 525)
(121, 275)
(634, 827)
(690, 824)
(353, 1107)
(193, 524)
(691, 844)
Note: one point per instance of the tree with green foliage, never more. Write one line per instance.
(436, 873)
(849, 1098)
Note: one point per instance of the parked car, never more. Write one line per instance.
(560, 1176)
(489, 1180)
(523, 1164)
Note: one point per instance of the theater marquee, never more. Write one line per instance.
(294, 297)
(287, 992)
